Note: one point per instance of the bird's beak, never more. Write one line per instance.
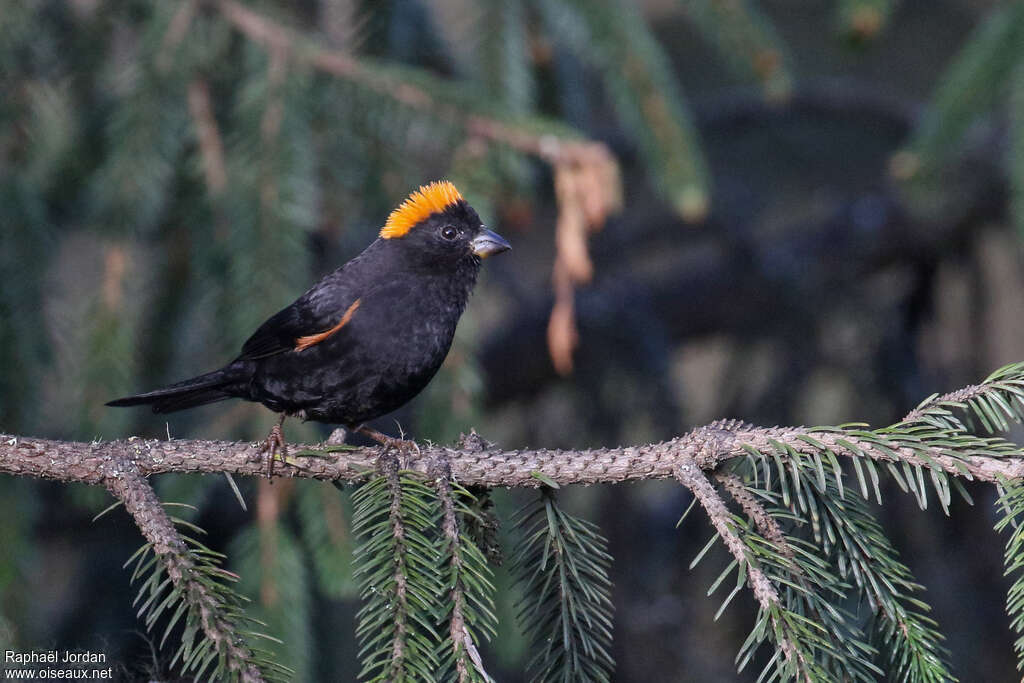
(487, 243)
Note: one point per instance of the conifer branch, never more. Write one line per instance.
(790, 582)
(853, 543)
(398, 569)
(401, 608)
(555, 149)
(691, 476)
(456, 621)
(206, 602)
(708, 446)
(561, 569)
(937, 405)
(176, 31)
(766, 525)
(463, 560)
(1011, 504)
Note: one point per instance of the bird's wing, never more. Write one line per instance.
(316, 315)
(276, 335)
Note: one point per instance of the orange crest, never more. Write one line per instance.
(429, 199)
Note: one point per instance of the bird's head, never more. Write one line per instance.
(436, 227)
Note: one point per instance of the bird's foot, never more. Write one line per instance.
(275, 445)
(337, 437)
(406, 446)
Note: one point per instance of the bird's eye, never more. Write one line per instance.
(449, 233)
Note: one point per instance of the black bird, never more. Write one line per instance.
(366, 338)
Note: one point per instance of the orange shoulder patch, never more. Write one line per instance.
(432, 198)
(303, 343)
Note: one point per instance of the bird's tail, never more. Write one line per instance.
(193, 392)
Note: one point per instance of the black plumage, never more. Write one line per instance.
(366, 338)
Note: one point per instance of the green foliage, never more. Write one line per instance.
(471, 583)
(984, 75)
(634, 69)
(400, 578)
(145, 134)
(201, 597)
(100, 144)
(746, 39)
(900, 628)
(992, 406)
(1012, 505)
(972, 84)
(816, 540)
(561, 568)
(848, 539)
(815, 636)
(420, 576)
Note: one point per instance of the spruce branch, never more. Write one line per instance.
(177, 28)
(186, 577)
(936, 448)
(1012, 505)
(902, 629)
(819, 638)
(796, 468)
(547, 140)
(561, 568)
(635, 71)
(848, 537)
(470, 608)
(766, 525)
(690, 475)
(972, 84)
(747, 40)
(708, 446)
(693, 478)
(995, 402)
(399, 572)
(401, 610)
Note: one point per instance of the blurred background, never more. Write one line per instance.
(804, 212)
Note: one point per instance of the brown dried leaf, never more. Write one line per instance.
(570, 230)
(562, 334)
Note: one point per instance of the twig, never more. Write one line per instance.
(769, 528)
(389, 466)
(708, 446)
(962, 394)
(689, 474)
(765, 523)
(441, 476)
(123, 479)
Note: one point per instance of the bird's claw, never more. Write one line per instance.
(275, 445)
(405, 446)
